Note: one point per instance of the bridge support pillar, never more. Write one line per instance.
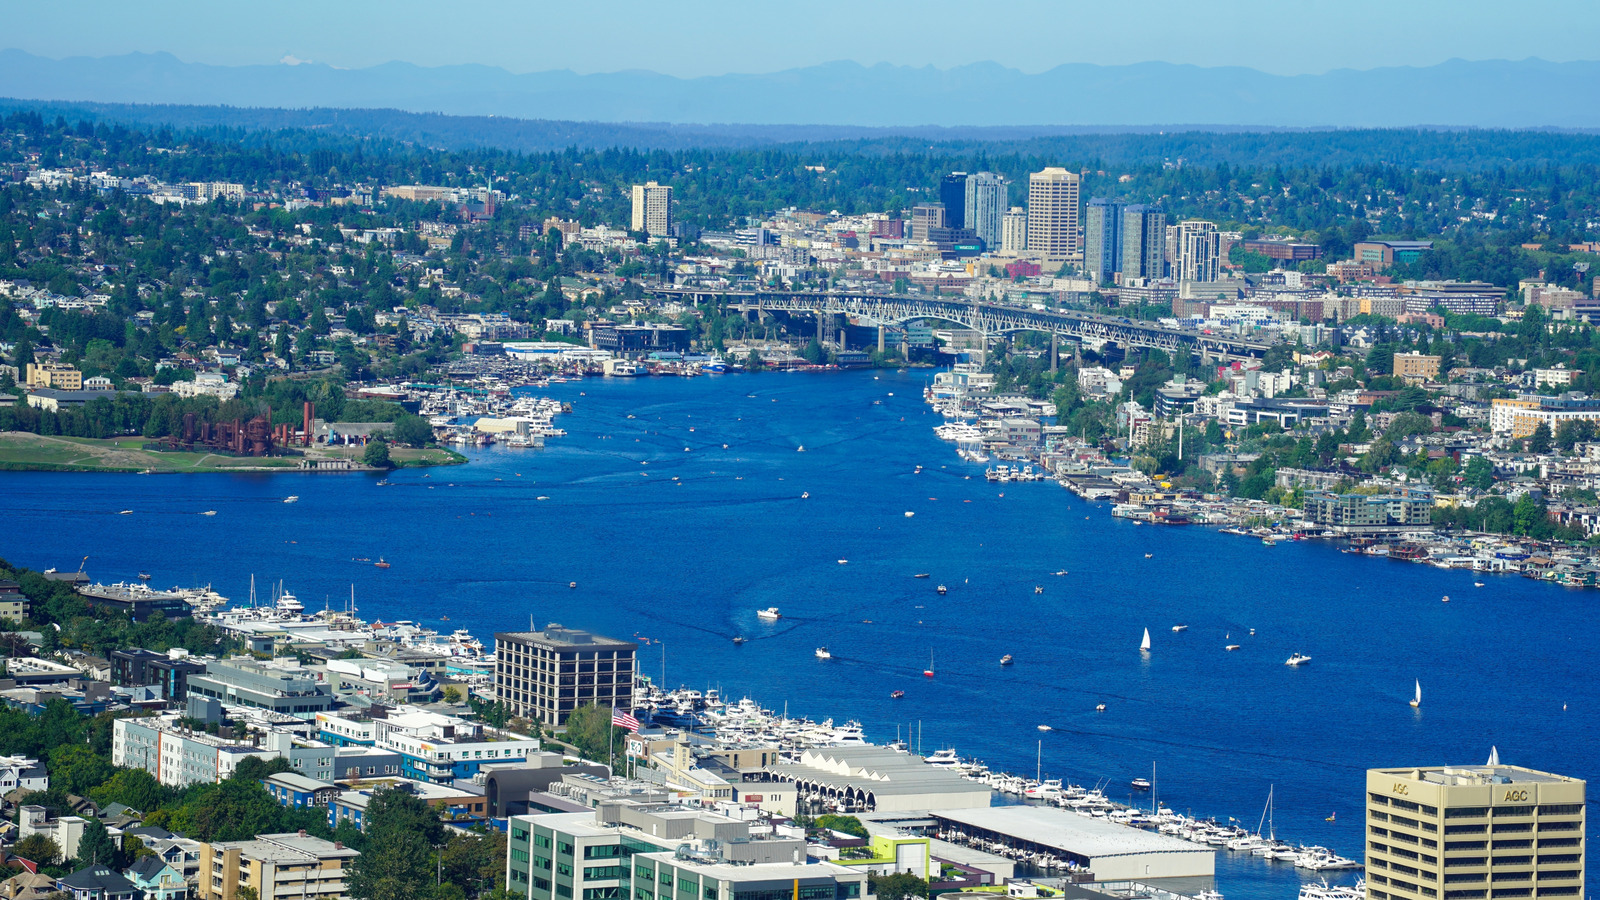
(880, 337)
(1055, 348)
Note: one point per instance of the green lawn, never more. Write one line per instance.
(22, 451)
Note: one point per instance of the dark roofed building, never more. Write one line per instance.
(137, 666)
(97, 882)
(139, 602)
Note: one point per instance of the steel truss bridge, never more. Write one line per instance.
(985, 318)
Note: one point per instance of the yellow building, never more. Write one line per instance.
(274, 865)
(1518, 417)
(1473, 832)
(1416, 365)
(54, 375)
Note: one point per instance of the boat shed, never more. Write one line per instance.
(867, 779)
(1111, 851)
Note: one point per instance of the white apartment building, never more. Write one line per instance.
(1198, 251)
(1014, 230)
(652, 209)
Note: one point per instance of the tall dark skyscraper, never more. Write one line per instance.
(953, 194)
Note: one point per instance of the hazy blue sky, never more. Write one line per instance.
(707, 37)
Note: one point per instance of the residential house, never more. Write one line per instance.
(28, 886)
(156, 880)
(97, 882)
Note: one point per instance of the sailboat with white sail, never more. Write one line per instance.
(1144, 645)
(1417, 700)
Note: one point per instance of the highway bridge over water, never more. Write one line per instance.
(988, 319)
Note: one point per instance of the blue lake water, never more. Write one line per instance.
(687, 563)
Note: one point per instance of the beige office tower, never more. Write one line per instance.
(652, 209)
(1053, 215)
(1486, 832)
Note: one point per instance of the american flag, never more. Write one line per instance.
(624, 720)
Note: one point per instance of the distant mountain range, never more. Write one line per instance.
(1528, 93)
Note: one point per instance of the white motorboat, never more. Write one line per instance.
(770, 614)
(1297, 659)
(822, 653)
(1049, 789)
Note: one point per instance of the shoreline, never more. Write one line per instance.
(23, 451)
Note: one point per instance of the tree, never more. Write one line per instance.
(899, 886)
(1540, 441)
(398, 862)
(846, 824)
(1571, 432)
(412, 430)
(1479, 473)
(37, 848)
(376, 455)
(254, 768)
(135, 788)
(1407, 424)
(1528, 516)
(96, 846)
(23, 357)
(812, 352)
(246, 892)
(78, 769)
(452, 694)
(475, 862)
(589, 729)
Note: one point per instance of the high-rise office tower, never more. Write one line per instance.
(1199, 248)
(1102, 238)
(1014, 232)
(1144, 236)
(926, 217)
(1053, 215)
(987, 199)
(1474, 832)
(545, 675)
(953, 194)
(652, 209)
